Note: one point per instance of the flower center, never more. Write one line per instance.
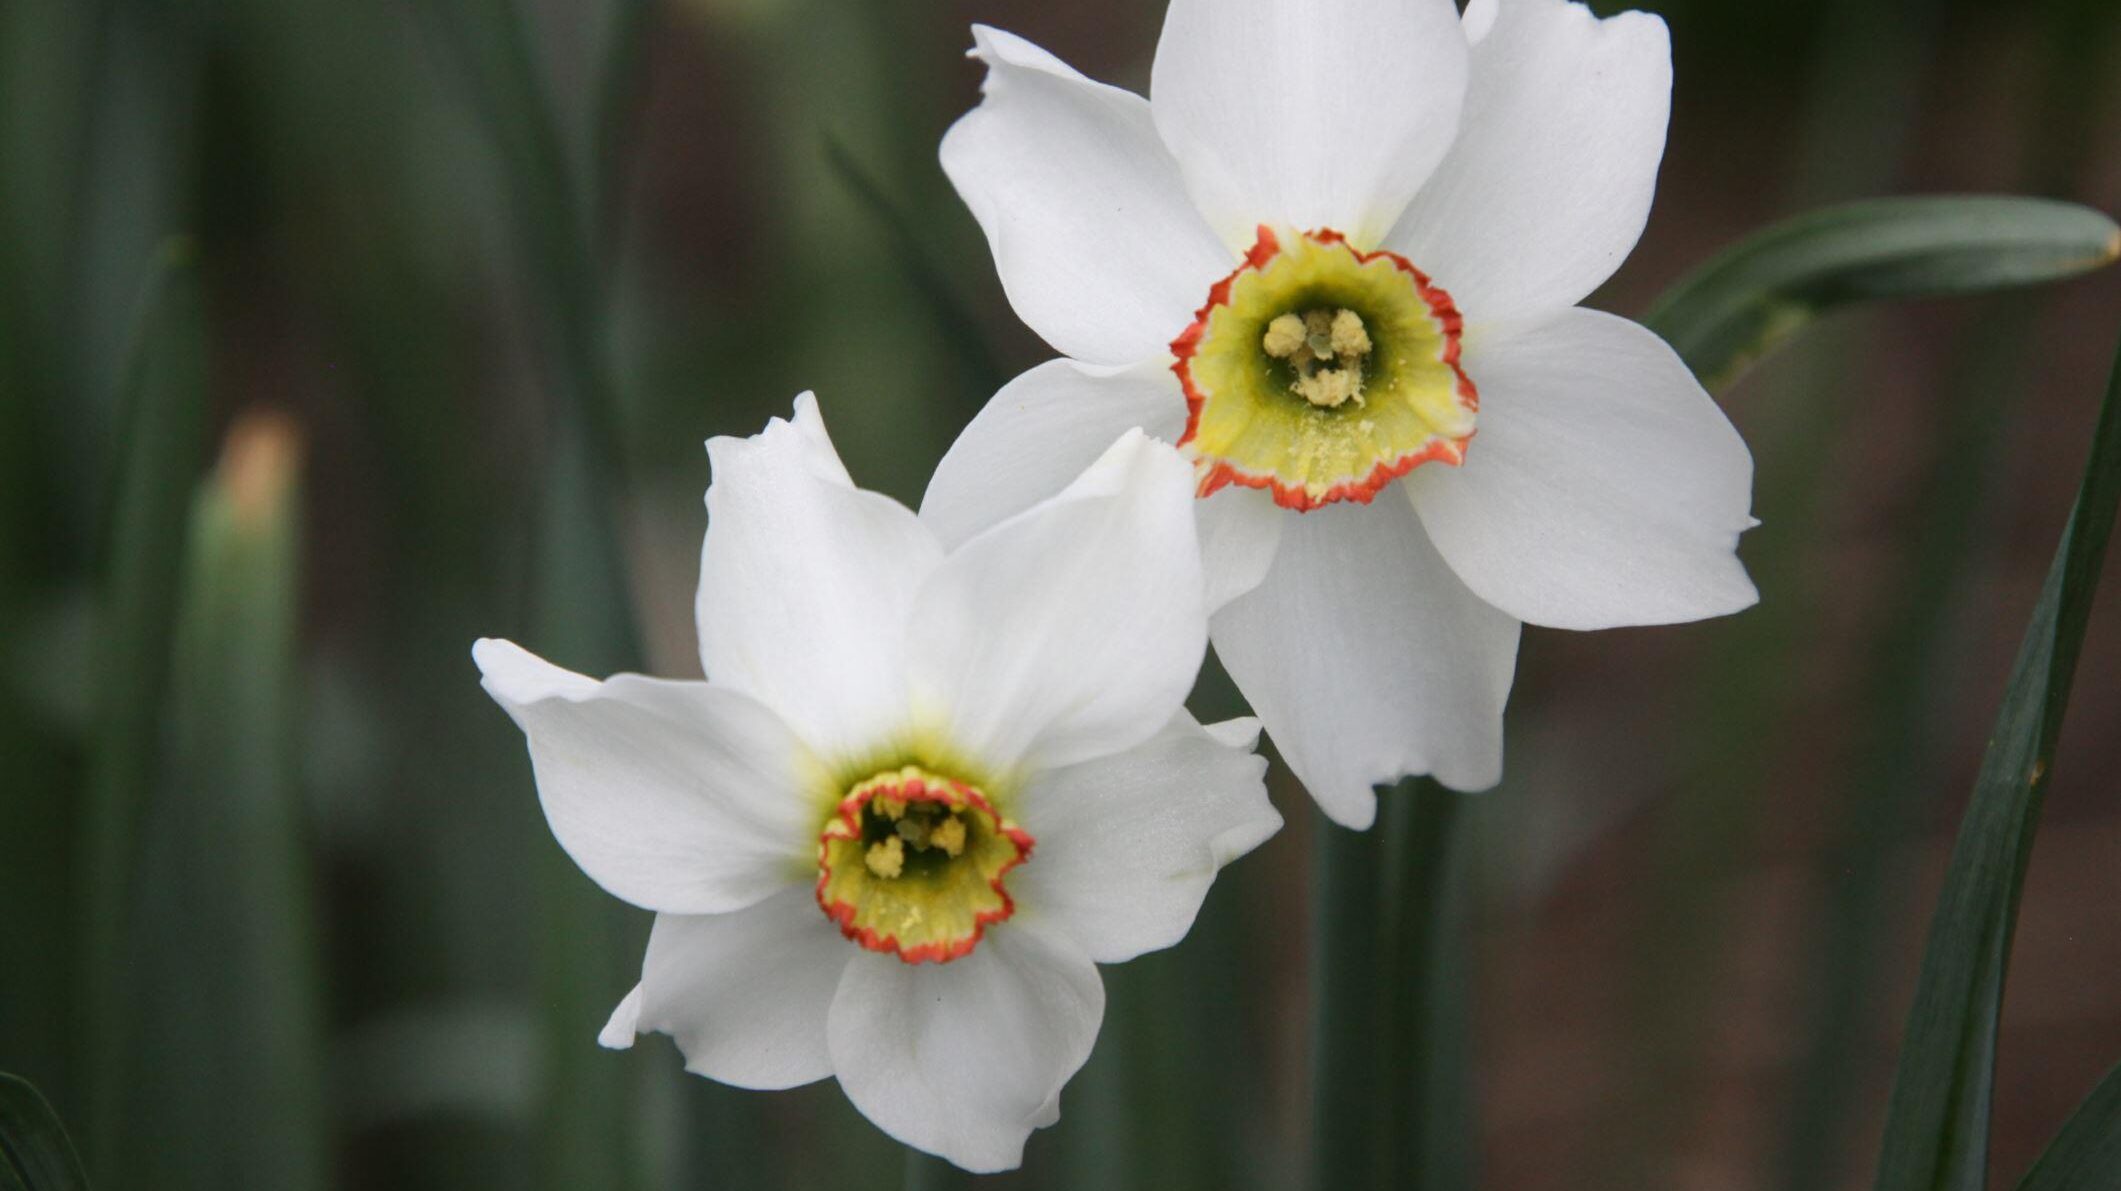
(912, 863)
(1321, 373)
(1326, 350)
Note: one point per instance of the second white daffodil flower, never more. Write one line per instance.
(925, 789)
(1337, 256)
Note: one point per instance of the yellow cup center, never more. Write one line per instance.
(912, 863)
(1321, 373)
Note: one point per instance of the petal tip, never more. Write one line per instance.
(624, 1026)
(799, 440)
(487, 652)
(514, 675)
(1350, 812)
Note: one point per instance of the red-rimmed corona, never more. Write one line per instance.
(1337, 254)
(927, 789)
(915, 865)
(1321, 373)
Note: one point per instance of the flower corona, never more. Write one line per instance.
(1321, 373)
(914, 865)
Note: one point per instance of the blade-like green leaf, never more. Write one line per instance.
(1889, 780)
(1936, 1134)
(1731, 311)
(35, 1153)
(588, 944)
(225, 1078)
(159, 451)
(2086, 1155)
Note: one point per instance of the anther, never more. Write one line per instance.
(949, 835)
(1349, 336)
(1331, 389)
(1336, 338)
(886, 859)
(1285, 336)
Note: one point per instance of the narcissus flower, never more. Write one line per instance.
(1337, 256)
(922, 793)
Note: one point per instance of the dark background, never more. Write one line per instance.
(1700, 893)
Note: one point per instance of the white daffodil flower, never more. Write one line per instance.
(1336, 257)
(923, 792)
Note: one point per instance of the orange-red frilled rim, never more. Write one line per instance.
(912, 864)
(1322, 373)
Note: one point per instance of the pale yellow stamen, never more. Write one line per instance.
(1285, 335)
(886, 859)
(1350, 338)
(1331, 390)
(949, 835)
(916, 827)
(1306, 340)
(1318, 333)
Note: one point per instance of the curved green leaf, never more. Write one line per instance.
(1936, 1132)
(35, 1153)
(1733, 310)
(2086, 1155)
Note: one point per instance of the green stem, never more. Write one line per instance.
(1391, 1099)
(1347, 1065)
(1428, 1102)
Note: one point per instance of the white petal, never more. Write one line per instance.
(744, 995)
(805, 582)
(1096, 241)
(1479, 18)
(1369, 661)
(965, 1059)
(1049, 424)
(1240, 529)
(675, 796)
(1308, 113)
(1128, 845)
(1604, 487)
(1039, 433)
(1072, 630)
(1549, 184)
